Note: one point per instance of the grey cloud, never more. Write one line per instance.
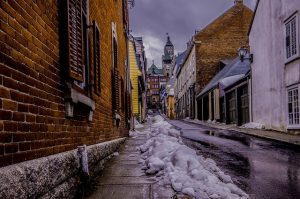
(180, 18)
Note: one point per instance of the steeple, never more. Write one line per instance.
(168, 57)
(169, 43)
(169, 49)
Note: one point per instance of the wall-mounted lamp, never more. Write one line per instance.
(244, 54)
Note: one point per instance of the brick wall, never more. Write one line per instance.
(221, 40)
(32, 87)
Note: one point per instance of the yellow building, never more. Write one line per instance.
(135, 75)
(170, 107)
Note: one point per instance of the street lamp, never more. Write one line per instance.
(242, 53)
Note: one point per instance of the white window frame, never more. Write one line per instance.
(288, 20)
(293, 126)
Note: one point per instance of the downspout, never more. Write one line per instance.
(251, 101)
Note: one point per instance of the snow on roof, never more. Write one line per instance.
(227, 81)
(230, 74)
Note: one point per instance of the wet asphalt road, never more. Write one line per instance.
(264, 169)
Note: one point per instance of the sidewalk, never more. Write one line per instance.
(268, 134)
(123, 177)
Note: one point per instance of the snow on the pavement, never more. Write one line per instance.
(137, 124)
(173, 163)
(253, 125)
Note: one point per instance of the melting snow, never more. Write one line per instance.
(253, 125)
(173, 163)
(137, 125)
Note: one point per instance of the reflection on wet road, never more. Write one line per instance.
(264, 169)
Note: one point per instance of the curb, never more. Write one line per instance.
(246, 133)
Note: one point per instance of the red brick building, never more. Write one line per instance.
(219, 40)
(155, 81)
(62, 76)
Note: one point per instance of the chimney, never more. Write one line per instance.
(238, 2)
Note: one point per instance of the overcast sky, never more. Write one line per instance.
(152, 19)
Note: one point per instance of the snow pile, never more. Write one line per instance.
(169, 159)
(253, 125)
(137, 124)
(150, 111)
(133, 134)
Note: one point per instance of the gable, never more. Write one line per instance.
(238, 12)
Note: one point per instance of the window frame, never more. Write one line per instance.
(291, 89)
(286, 22)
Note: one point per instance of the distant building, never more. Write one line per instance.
(274, 41)
(220, 40)
(185, 85)
(168, 58)
(142, 63)
(178, 64)
(169, 98)
(137, 81)
(155, 81)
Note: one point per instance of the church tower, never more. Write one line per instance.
(168, 58)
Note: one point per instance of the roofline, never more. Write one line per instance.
(238, 83)
(189, 50)
(253, 17)
(218, 17)
(208, 91)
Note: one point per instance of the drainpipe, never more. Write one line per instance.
(251, 101)
(83, 159)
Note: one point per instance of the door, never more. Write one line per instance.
(244, 99)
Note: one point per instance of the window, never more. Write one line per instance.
(76, 46)
(291, 38)
(293, 106)
(97, 82)
(115, 73)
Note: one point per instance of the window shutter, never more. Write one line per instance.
(122, 95)
(115, 49)
(115, 79)
(115, 91)
(75, 58)
(97, 72)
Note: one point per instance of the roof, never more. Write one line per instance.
(140, 39)
(169, 43)
(179, 61)
(153, 70)
(230, 74)
(223, 20)
(186, 55)
(253, 17)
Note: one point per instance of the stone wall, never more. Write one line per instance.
(55, 176)
(33, 120)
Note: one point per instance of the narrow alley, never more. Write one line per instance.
(149, 99)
